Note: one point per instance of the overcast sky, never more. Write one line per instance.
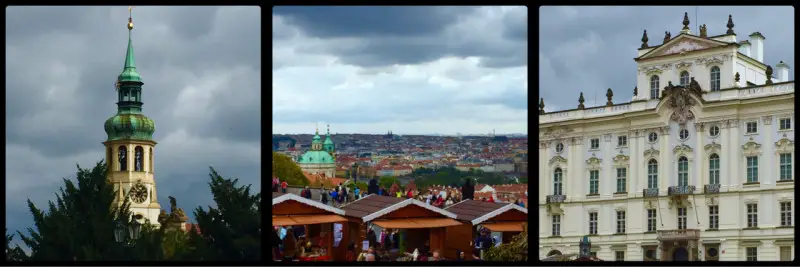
(589, 49)
(201, 70)
(407, 69)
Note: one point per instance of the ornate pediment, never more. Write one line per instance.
(652, 152)
(593, 163)
(557, 160)
(621, 160)
(713, 148)
(683, 44)
(784, 145)
(751, 148)
(682, 150)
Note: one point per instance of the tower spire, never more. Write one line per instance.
(129, 73)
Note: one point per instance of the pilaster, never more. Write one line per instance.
(665, 164)
(633, 164)
(608, 175)
(701, 160)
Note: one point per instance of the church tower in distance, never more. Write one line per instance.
(129, 147)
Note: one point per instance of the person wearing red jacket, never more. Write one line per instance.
(284, 184)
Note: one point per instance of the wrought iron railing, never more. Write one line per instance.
(650, 192)
(556, 198)
(680, 190)
(712, 188)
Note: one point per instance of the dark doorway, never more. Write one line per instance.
(553, 253)
(680, 254)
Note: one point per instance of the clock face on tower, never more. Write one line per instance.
(138, 192)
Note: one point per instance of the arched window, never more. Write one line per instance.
(652, 174)
(151, 159)
(654, 87)
(714, 78)
(123, 158)
(683, 171)
(558, 177)
(139, 157)
(713, 169)
(684, 78)
(109, 160)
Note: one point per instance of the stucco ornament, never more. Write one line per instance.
(594, 163)
(681, 102)
(684, 46)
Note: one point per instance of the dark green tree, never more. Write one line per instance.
(232, 230)
(16, 253)
(286, 169)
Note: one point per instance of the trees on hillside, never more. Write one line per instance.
(286, 169)
(452, 176)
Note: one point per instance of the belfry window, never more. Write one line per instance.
(139, 157)
(654, 87)
(684, 78)
(151, 159)
(715, 78)
(123, 158)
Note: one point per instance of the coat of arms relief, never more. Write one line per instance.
(680, 100)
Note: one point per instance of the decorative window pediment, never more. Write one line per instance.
(784, 146)
(621, 161)
(785, 197)
(592, 209)
(558, 161)
(683, 150)
(712, 201)
(619, 207)
(687, 65)
(593, 163)
(751, 148)
(651, 205)
(713, 148)
(651, 153)
(751, 200)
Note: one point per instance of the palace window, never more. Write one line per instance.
(684, 78)
(684, 134)
(786, 166)
(786, 253)
(558, 177)
(559, 147)
(592, 223)
(713, 169)
(785, 123)
(786, 213)
(752, 215)
(139, 157)
(713, 131)
(123, 158)
(752, 254)
(622, 173)
(595, 143)
(619, 255)
(654, 87)
(652, 137)
(752, 169)
(683, 171)
(713, 217)
(715, 79)
(594, 182)
(652, 174)
(651, 220)
(681, 218)
(752, 127)
(622, 141)
(620, 222)
(556, 224)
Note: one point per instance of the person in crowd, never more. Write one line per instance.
(460, 255)
(410, 194)
(428, 197)
(484, 240)
(340, 200)
(284, 185)
(483, 199)
(351, 252)
(275, 244)
(323, 197)
(468, 190)
(436, 256)
(521, 203)
(371, 237)
(370, 257)
(275, 183)
(476, 255)
(439, 202)
(373, 186)
(448, 202)
(380, 191)
(491, 199)
(290, 247)
(345, 194)
(334, 196)
(357, 193)
(399, 194)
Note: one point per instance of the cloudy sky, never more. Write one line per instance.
(407, 69)
(588, 49)
(202, 73)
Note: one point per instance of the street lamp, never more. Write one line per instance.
(135, 228)
(119, 232)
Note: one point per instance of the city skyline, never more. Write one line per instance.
(407, 69)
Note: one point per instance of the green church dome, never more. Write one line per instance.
(315, 157)
(328, 141)
(130, 127)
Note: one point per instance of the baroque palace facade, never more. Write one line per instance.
(698, 166)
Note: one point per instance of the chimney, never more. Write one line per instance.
(745, 48)
(783, 72)
(757, 48)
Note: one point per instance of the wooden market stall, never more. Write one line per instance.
(419, 221)
(292, 210)
(497, 217)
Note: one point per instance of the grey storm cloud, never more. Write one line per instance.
(201, 68)
(591, 49)
(406, 35)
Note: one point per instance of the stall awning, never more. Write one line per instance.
(504, 226)
(416, 223)
(289, 220)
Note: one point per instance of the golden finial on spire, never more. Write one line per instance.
(130, 18)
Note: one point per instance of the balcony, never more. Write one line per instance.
(680, 190)
(650, 192)
(675, 235)
(712, 189)
(556, 198)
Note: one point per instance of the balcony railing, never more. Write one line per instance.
(681, 234)
(680, 190)
(650, 192)
(712, 189)
(556, 198)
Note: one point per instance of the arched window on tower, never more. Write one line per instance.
(139, 164)
(654, 87)
(109, 160)
(714, 78)
(684, 78)
(151, 159)
(123, 158)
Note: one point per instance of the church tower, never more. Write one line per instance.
(130, 145)
(328, 145)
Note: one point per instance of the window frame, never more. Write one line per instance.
(655, 83)
(710, 129)
(751, 256)
(594, 180)
(650, 135)
(681, 78)
(652, 173)
(619, 255)
(683, 173)
(621, 217)
(782, 165)
(622, 141)
(752, 215)
(622, 180)
(785, 211)
(558, 183)
(751, 173)
(559, 147)
(780, 123)
(713, 217)
(681, 134)
(747, 127)
(682, 218)
(713, 171)
(652, 220)
(555, 223)
(592, 144)
(715, 80)
(593, 223)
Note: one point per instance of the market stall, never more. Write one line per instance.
(319, 222)
(503, 218)
(420, 223)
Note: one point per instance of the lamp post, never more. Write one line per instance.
(133, 233)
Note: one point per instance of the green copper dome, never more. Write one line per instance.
(130, 127)
(315, 157)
